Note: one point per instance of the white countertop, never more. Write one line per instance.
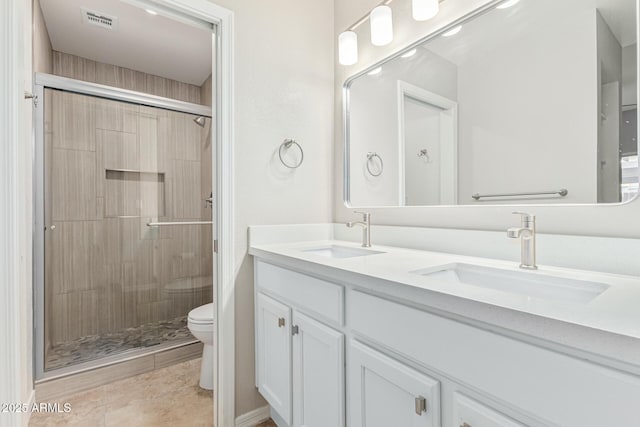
(607, 327)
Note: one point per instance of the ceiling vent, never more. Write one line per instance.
(99, 19)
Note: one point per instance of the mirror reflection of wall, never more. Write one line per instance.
(543, 101)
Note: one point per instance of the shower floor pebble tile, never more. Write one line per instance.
(94, 347)
(168, 397)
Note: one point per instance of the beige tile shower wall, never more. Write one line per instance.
(75, 67)
(113, 167)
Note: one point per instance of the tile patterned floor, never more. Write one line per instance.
(168, 397)
(97, 346)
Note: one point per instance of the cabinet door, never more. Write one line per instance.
(274, 354)
(383, 392)
(318, 374)
(469, 413)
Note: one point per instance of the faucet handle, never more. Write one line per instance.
(528, 220)
(525, 215)
(365, 215)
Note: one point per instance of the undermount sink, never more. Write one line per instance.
(333, 251)
(530, 284)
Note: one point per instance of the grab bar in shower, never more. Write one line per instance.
(562, 193)
(165, 224)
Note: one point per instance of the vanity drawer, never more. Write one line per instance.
(469, 413)
(303, 292)
(531, 381)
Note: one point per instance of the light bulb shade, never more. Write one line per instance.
(381, 26)
(425, 9)
(348, 48)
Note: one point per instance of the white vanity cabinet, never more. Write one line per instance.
(273, 351)
(300, 360)
(384, 392)
(407, 366)
(318, 374)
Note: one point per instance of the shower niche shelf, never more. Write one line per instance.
(132, 193)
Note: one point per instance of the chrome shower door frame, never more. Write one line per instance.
(48, 81)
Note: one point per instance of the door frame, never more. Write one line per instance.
(15, 242)
(448, 143)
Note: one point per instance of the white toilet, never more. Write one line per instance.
(201, 326)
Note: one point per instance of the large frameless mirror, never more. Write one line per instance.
(529, 101)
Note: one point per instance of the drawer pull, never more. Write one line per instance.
(421, 405)
(281, 322)
(465, 425)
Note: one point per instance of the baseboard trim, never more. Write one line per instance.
(253, 418)
(26, 416)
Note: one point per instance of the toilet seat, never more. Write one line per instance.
(202, 315)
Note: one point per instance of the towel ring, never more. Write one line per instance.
(370, 156)
(287, 144)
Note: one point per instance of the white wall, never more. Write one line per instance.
(283, 89)
(422, 132)
(603, 220)
(630, 74)
(374, 121)
(518, 104)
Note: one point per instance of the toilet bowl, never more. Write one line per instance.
(200, 323)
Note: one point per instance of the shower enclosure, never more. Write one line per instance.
(124, 238)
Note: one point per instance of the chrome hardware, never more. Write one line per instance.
(51, 227)
(366, 227)
(286, 145)
(421, 405)
(28, 95)
(527, 235)
(465, 425)
(294, 330)
(281, 322)
(371, 156)
(562, 193)
(208, 203)
(425, 153)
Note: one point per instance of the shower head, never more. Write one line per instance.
(200, 121)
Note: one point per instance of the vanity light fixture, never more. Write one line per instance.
(507, 4)
(348, 48)
(409, 54)
(375, 71)
(423, 10)
(381, 19)
(453, 31)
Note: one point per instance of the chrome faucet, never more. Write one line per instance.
(366, 228)
(527, 235)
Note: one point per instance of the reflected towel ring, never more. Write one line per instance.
(370, 156)
(287, 144)
(424, 153)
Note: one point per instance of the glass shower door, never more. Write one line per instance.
(112, 283)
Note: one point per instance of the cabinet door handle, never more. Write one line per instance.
(294, 330)
(281, 322)
(421, 405)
